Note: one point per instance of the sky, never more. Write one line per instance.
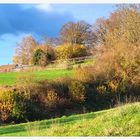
(39, 20)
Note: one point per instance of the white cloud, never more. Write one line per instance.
(12, 38)
(44, 7)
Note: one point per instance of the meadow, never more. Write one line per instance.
(9, 78)
(120, 121)
(53, 71)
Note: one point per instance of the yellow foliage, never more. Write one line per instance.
(64, 51)
(84, 74)
(6, 103)
(101, 89)
(52, 98)
(67, 51)
(113, 85)
(77, 91)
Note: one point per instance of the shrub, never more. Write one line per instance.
(77, 91)
(49, 50)
(84, 74)
(101, 89)
(13, 105)
(52, 98)
(43, 55)
(67, 51)
(117, 66)
(26, 100)
(113, 86)
(6, 104)
(79, 50)
(20, 100)
(39, 57)
(108, 87)
(64, 51)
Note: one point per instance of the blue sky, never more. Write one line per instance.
(41, 20)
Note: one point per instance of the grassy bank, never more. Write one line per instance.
(9, 78)
(120, 121)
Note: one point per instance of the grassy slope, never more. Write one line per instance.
(121, 121)
(10, 77)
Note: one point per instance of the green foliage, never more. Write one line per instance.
(38, 56)
(12, 105)
(19, 106)
(43, 57)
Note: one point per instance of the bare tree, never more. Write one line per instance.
(99, 31)
(25, 50)
(48, 41)
(76, 33)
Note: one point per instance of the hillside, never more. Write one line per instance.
(10, 77)
(120, 121)
(51, 72)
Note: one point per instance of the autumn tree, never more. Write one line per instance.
(39, 57)
(76, 33)
(122, 25)
(99, 31)
(52, 41)
(25, 50)
(43, 55)
(67, 51)
(64, 51)
(117, 64)
(131, 23)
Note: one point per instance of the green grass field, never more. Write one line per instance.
(10, 77)
(120, 121)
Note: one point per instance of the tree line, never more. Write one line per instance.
(73, 42)
(80, 38)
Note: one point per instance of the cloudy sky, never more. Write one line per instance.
(41, 20)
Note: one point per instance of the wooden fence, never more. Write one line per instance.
(76, 59)
(53, 65)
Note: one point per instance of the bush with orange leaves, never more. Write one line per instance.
(118, 66)
(84, 74)
(116, 70)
